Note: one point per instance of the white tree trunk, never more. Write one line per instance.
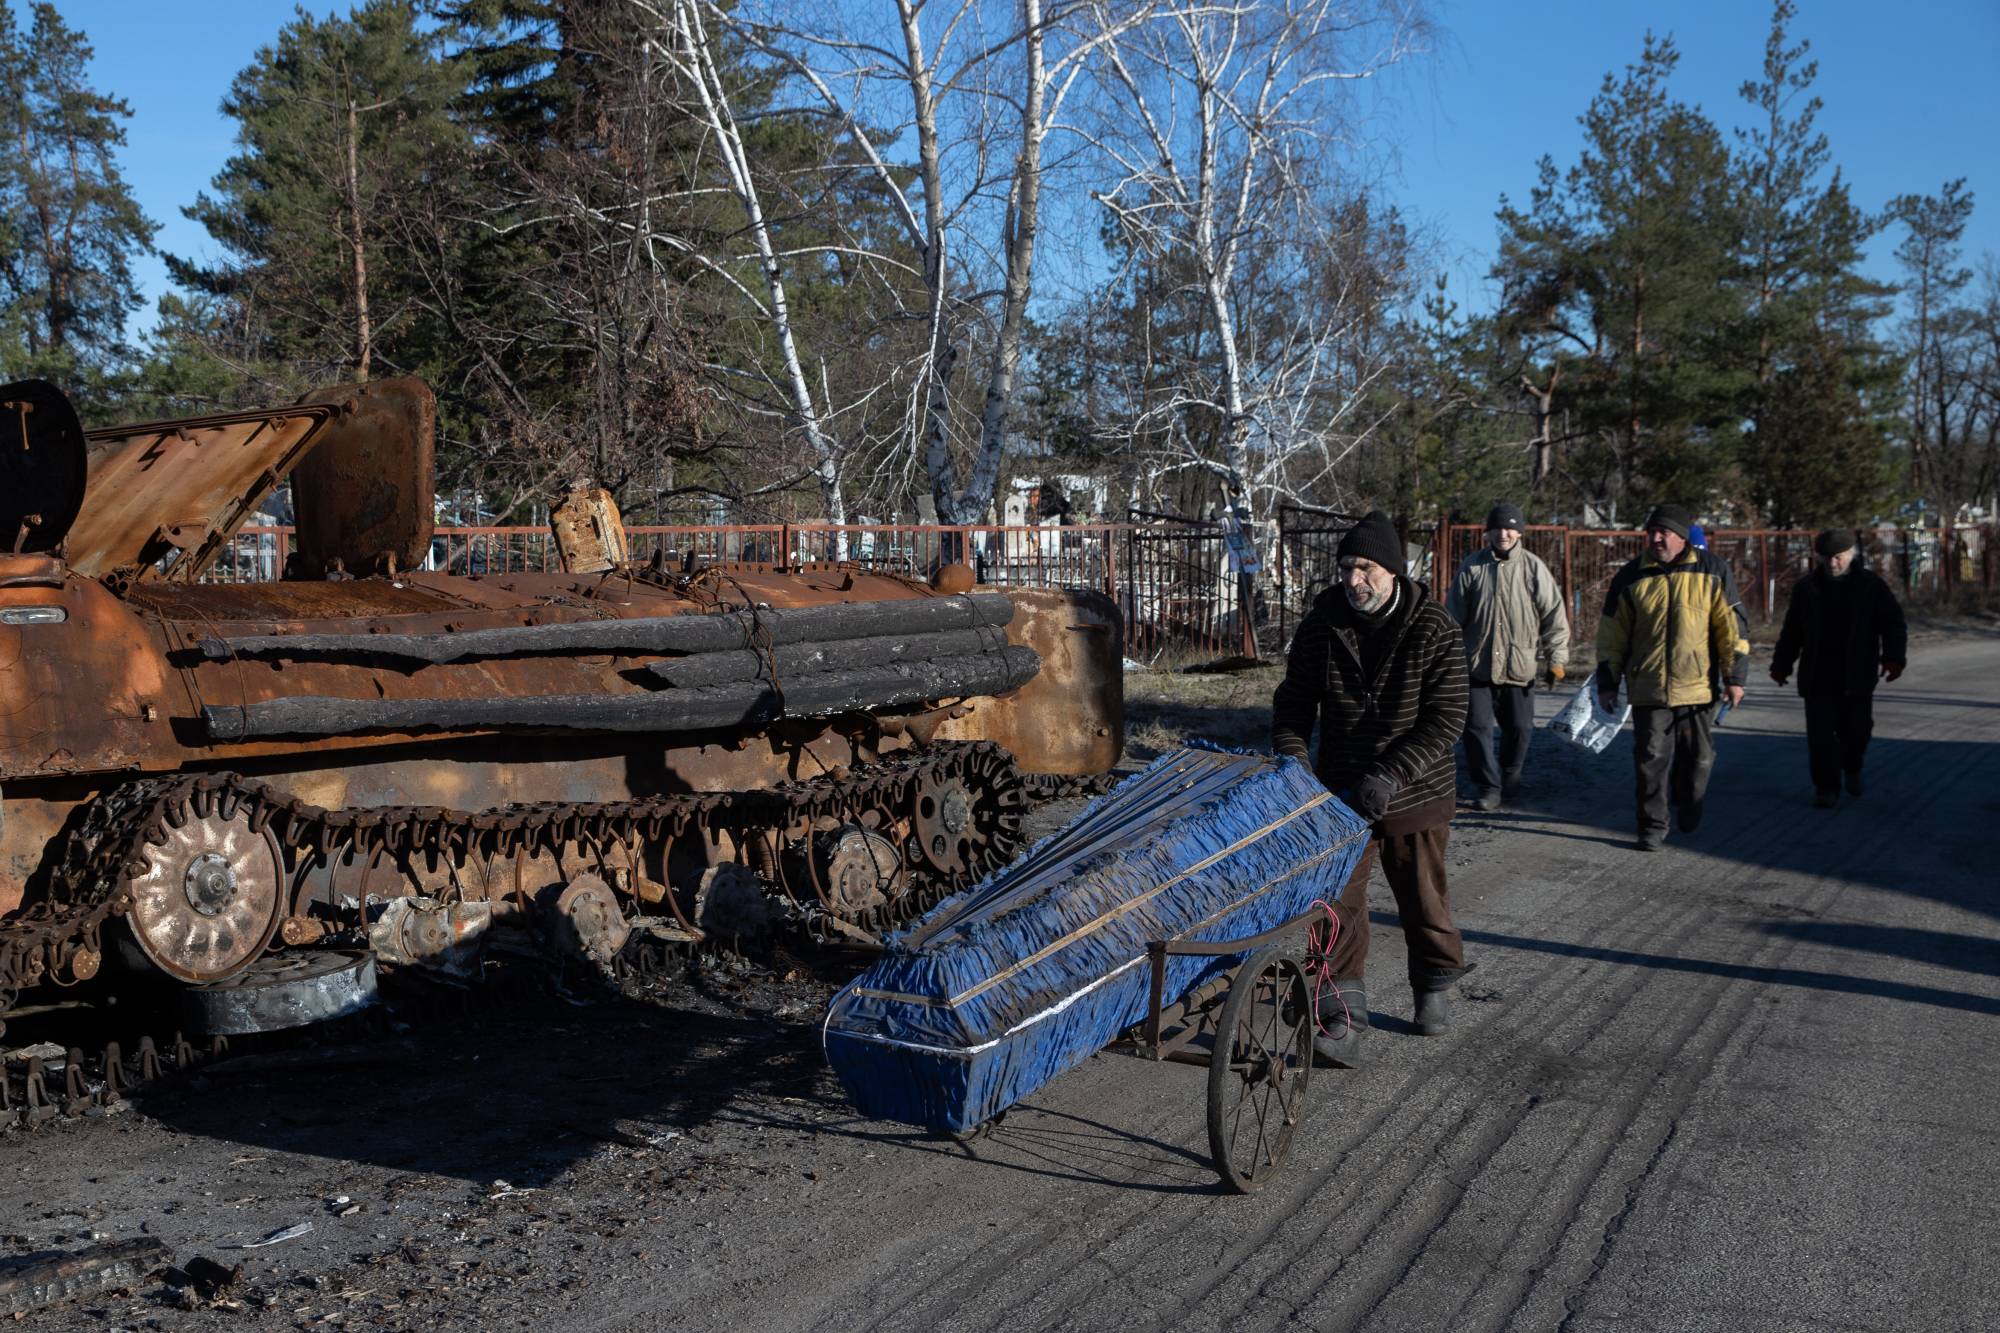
(696, 63)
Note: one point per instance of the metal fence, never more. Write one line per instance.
(1308, 560)
(1179, 593)
(1172, 577)
(1925, 564)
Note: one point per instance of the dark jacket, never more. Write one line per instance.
(1876, 636)
(1400, 725)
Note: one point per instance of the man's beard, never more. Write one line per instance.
(1367, 597)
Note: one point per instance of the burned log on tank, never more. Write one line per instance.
(735, 704)
(686, 634)
(789, 661)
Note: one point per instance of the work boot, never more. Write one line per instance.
(1433, 1013)
(1487, 801)
(1432, 987)
(1343, 1022)
(1826, 798)
(1854, 783)
(1650, 840)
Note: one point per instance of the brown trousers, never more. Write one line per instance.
(1413, 863)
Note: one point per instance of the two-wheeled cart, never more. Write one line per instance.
(1261, 1017)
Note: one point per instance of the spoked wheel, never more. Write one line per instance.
(1258, 1074)
(210, 897)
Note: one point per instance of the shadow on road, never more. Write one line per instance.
(1033, 1140)
(1773, 976)
(519, 1098)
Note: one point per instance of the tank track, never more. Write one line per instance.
(59, 937)
(43, 942)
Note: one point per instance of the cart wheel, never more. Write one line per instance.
(1258, 1074)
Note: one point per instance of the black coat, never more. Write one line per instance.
(1400, 724)
(1875, 636)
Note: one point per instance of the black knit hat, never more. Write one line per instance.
(1375, 538)
(1833, 541)
(1673, 518)
(1505, 515)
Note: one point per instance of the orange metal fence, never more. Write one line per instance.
(1924, 564)
(1172, 578)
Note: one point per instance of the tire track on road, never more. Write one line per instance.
(1138, 1232)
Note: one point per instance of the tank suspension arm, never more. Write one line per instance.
(748, 703)
(691, 633)
(794, 660)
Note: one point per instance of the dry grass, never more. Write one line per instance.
(1165, 709)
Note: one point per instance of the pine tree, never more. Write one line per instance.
(1616, 285)
(342, 130)
(1954, 413)
(69, 226)
(1816, 449)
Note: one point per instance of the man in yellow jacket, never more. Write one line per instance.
(1668, 633)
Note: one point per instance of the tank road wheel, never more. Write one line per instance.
(589, 920)
(1258, 1073)
(864, 871)
(965, 824)
(211, 896)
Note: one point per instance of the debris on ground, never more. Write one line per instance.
(277, 1237)
(31, 1281)
(201, 1283)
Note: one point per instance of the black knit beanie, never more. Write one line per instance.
(1673, 518)
(1506, 516)
(1833, 541)
(1375, 538)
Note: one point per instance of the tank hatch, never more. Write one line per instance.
(163, 497)
(41, 466)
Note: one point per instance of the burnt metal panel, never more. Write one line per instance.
(365, 494)
(42, 466)
(176, 491)
(1070, 719)
(590, 535)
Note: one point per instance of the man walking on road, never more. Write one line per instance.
(1843, 630)
(1381, 668)
(1512, 612)
(1667, 632)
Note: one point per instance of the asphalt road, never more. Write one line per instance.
(1748, 1083)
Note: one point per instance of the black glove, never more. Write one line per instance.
(1371, 797)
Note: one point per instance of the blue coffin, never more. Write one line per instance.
(1044, 963)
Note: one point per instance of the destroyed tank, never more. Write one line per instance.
(261, 790)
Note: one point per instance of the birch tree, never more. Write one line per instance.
(977, 87)
(684, 45)
(1217, 125)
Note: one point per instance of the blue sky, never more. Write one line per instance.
(1911, 97)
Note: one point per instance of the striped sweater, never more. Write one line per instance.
(1402, 723)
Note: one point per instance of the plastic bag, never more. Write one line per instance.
(1583, 721)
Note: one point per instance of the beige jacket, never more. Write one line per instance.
(1512, 612)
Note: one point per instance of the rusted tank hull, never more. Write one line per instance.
(150, 682)
(192, 772)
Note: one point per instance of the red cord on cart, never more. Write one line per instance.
(1319, 963)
